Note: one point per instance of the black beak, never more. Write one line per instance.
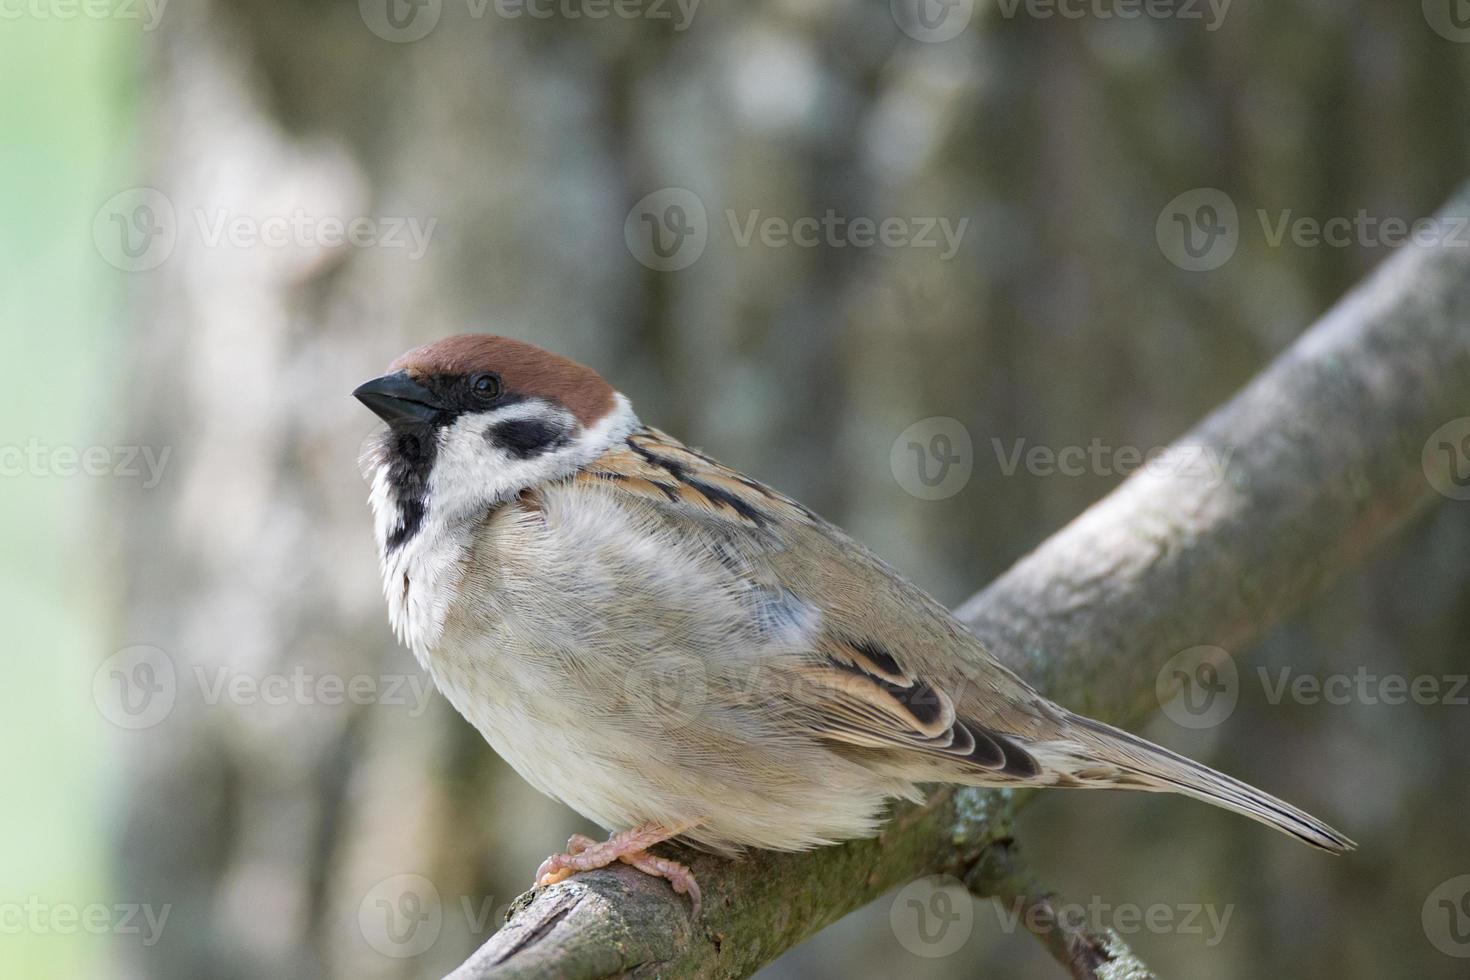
(397, 398)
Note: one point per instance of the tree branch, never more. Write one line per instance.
(1324, 460)
(1086, 953)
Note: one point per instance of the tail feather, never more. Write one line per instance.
(1140, 764)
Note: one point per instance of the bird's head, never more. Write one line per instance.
(474, 420)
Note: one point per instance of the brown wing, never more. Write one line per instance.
(657, 466)
(889, 669)
(862, 704)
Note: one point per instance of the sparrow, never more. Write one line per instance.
(675, 650)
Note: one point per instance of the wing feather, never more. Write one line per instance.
(881, 670)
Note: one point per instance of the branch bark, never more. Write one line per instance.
(1326, 454)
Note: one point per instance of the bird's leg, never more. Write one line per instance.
(628, 846)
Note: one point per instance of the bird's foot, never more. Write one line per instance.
(628, 846)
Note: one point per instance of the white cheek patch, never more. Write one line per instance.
(472, 471)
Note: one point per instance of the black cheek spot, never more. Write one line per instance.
(524, 438)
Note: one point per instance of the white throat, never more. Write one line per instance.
(469, 480)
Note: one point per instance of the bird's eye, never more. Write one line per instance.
(486, 385)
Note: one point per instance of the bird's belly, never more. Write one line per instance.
(567, 761)
(620, 772)
(564, 659)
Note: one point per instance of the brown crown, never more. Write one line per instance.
(524, 368)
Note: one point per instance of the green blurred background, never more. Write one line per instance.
(521, 146)
(68, 131)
